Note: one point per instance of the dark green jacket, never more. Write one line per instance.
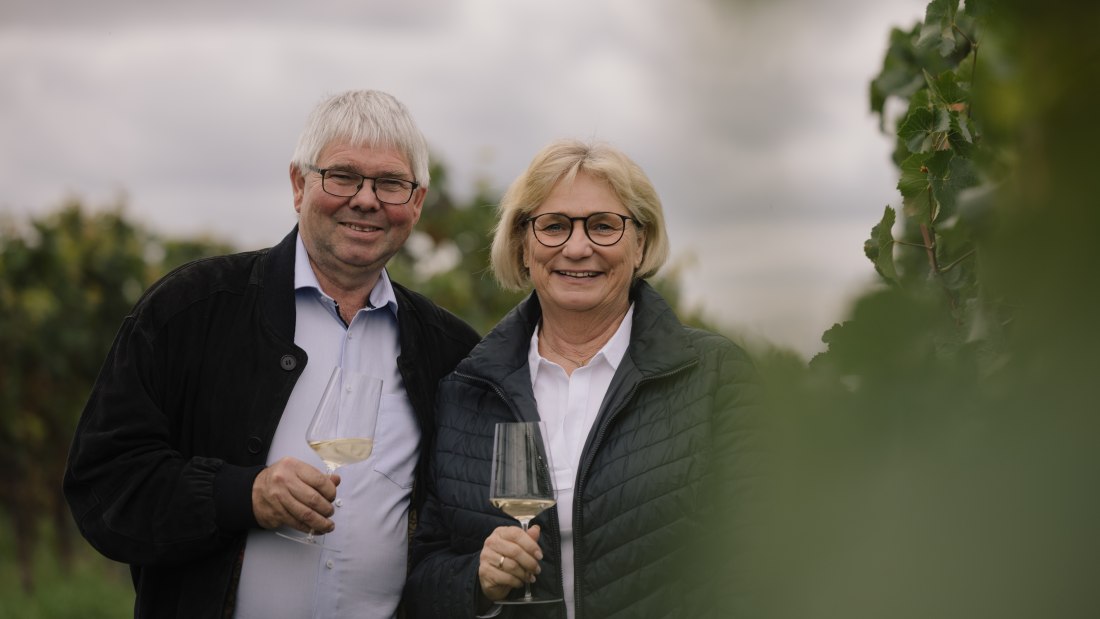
(666, 443)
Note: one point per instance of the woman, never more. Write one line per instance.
(645, 418)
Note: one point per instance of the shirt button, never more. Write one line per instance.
(329, 564)
(339, 502)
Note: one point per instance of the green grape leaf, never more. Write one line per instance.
(915, 185)
(947, 90)
(938, 29)
(900, 75)
(962, 134)
(962, 126)
(915, 128)
(926, 129)
(914, 176)
(948, 175)
(880, 247)
(921, 98)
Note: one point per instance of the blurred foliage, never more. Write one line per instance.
(937, 459)
(66, 281)
(447, 258)
(87, 587)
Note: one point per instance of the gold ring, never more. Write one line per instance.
(500, 564)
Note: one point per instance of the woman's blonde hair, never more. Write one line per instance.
(559, 162)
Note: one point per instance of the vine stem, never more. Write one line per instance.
(957, 261)
(929, 247)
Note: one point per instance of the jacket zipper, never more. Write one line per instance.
(588, 465)
(553, 522)
(496, 389)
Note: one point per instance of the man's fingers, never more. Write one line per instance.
(293, 493)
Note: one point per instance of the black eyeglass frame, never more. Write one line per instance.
(359, 187)
(584, 226)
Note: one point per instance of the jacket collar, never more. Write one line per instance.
(275, 276)
(658, 343)
(661, 344)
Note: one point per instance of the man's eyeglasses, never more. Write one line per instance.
(345, 184)
(554, 229)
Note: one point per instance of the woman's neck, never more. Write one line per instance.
(571, 339)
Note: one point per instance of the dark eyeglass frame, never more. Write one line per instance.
(324, 172)
(584, 226)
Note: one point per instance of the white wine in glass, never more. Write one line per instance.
(520, 484)
(342, 429)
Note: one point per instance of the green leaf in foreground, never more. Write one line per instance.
(880, 247)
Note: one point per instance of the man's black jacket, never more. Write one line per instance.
(181, 418)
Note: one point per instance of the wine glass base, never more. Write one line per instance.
(534, 600)
(301, 538)
(315, 540)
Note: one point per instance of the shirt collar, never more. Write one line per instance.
(305, 279)
(612, 352)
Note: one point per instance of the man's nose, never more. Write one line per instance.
(365, 199)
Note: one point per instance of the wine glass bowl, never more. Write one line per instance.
(520, 483)
(342, 429)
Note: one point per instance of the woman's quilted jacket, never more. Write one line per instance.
(664, 464)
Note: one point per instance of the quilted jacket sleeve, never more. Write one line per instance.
(443, 583)
(738, 478)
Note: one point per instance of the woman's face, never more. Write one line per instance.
(579, 275)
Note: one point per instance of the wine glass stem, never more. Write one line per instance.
(331, 470)
(526, 583)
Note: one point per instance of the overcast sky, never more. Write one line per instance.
(750, 117)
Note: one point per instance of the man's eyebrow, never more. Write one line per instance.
(384, 173)
(398, 174)
(343, 167)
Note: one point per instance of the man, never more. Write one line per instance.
(191, 450)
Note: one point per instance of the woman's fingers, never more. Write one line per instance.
(509, 558)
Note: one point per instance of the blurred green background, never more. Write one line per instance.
(937, 460)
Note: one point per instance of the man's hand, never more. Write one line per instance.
(295, 494)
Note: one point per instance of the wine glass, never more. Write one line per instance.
(520, 483)
(342, 428)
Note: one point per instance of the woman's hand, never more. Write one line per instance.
(509, 558)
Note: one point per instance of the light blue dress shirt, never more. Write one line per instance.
(364, 578)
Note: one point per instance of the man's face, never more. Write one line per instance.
(349, 240)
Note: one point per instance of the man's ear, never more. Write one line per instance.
(298, 186)
(416, 204)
